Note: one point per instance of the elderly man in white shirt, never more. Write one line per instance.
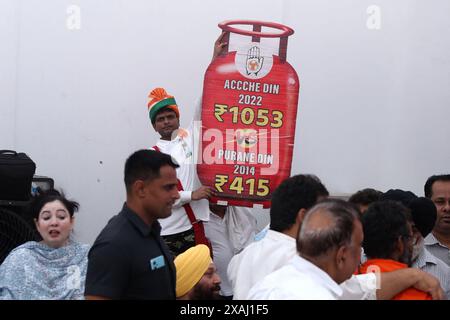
(289, 204)
(329, 245)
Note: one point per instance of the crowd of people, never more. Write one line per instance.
(170, 242)
(391, 245)
(317, 247)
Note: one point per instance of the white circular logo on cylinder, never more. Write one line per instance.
(253, 61)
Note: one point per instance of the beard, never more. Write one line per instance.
(406, 257)
(417, 249)
(206, 293)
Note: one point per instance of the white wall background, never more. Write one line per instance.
(374, 104)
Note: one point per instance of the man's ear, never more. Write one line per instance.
(341, 256)
(300, 216)
(139, 188)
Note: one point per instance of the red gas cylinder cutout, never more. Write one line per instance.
(249, 112)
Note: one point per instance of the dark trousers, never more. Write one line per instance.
(180, 242)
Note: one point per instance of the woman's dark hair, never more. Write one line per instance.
(51, 195)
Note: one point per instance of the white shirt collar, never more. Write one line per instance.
(167, 142)
(431, 240)
(278, 236)
(318, 275)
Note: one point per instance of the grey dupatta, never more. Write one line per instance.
(34, 271)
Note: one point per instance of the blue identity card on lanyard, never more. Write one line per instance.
(157, 262)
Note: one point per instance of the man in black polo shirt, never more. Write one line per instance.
(129, 259)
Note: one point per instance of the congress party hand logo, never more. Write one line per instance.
(254, 61)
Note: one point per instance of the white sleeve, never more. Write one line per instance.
(194, 132)
(241, 225)
(360, 287)
(268, 294)
(185, 197)
(197, 114)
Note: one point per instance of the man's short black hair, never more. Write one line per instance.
(295, 193)
(402, 196)
(145, 165)
(383, 223)
(365, 196)
(429, 184)
(423, 211)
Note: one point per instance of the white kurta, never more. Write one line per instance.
(275, 251)
(258, 260)
(298, 280)
(229, 236)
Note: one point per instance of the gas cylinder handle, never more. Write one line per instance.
(225, 26)
(256, 34)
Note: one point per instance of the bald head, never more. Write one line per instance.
(326, 226)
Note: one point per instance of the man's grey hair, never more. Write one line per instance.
(317, 241)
